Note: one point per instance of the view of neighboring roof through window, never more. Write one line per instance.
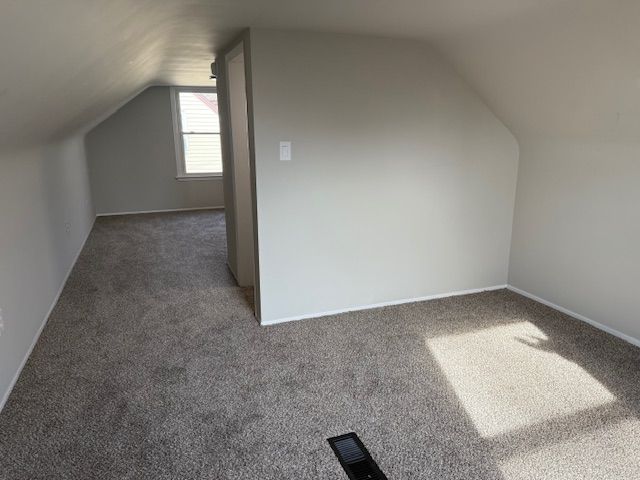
(198, 133)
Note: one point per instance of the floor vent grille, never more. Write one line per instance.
(354, 458)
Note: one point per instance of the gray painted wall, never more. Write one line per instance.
(402, 181)
(133, 164)
(46, 212)
(577, 228)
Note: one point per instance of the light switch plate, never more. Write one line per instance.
(285, 151)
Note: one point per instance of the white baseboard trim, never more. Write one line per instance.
(6, 394)
(139, 212)
(382, 304)
(577, 316)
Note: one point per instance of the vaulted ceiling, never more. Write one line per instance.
(546, 67)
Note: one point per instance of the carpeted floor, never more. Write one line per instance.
(152, 367)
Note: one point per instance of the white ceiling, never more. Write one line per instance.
(545, 66)
(569, 70)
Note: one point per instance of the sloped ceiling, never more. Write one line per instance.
(571, 69)
(545, 66)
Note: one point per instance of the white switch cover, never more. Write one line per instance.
(285, 151)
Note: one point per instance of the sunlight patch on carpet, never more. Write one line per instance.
(508, 377)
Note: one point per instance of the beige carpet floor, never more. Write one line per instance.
(152, 367)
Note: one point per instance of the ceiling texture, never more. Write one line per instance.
(545, 67)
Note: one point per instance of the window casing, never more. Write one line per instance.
(196, 126)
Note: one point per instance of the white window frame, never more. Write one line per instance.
(177, 135)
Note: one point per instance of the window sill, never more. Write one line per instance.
(189, 178)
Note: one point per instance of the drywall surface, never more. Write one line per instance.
(577, 228)
(241, 171)
(132, 161)
(46, 212)
(227, 163)
(104, 55)
(401, 183)
(554, 68)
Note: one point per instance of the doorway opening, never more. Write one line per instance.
(239, 180)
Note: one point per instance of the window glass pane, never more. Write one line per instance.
(199, 112)
(202, 153)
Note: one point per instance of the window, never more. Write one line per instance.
(197, 132)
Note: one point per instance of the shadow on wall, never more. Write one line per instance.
(46, 209)
(71, 213)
